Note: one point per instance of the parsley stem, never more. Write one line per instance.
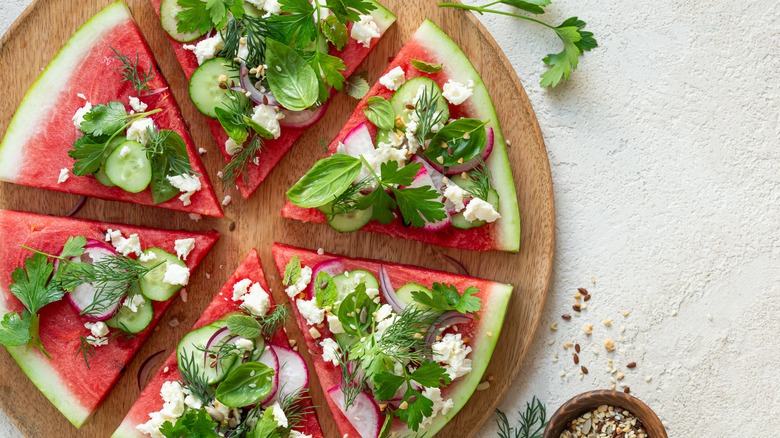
(484, 9)
(43, 253)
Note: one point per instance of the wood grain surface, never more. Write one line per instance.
(38, 35)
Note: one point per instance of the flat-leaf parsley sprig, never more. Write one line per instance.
(576, 41)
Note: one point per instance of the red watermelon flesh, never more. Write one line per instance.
(65, 379)
(39, 137)
(274, 150)
(432, 45)
(483, 332)
(150, 399)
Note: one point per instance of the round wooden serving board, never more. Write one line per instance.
(38, 35)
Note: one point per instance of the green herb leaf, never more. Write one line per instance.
(74, 247)
(325, 290)
(291, 79)
(380, 112)
(104, 119)
(234, 130)
(194, 423)
(419, 205)
(532, 6)
(446, 297)
(417, 409)
(331, 68)
(245, 385)
(296, 25)
(383, 205)
(465, 139)
(326, 180)
(88, 153)
(244, 325)
(404, 176)
(132, 71)
(292, 272)
(168, 155)
(575, 43)
(31, 285)
(15, 329)
(431, 375)
(357, 86)
(267, 427)
(386, 385)
(349, 10)
(532, 422)
(335, 31)
(356, 311)
(257, 128)
(193, 17)
(426, 67)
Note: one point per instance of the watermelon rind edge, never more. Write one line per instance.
(52, 81)
(383, 17)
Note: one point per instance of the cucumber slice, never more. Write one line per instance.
(169, 22)
(206, 91)
(152, 285)
(191, 347)
(133, 322)
(252, 11)
(405, 294)
(408, 91)
(347, 222)
(347, 282)
(458, 221)
(100, 175)
(133, 172)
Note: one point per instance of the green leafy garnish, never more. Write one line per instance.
(355, 310)
(167, 152)
(379, 112)
(253, 327)
(357, 85)
(458, 142)
(239, 164)
(576, 41)
(445, 297)
(335, 31)
(531, 424)
(15, 329)
(292, 272)
(325, 291)
(133, 73)
(291, 79)
(426, 67)
(246, 385)
(194, 423)
(202, 16)
(326, 180)
(428, 374)
(427, 112)
(104, 119)
(266, 426)
(192, 379)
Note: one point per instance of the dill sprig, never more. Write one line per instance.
(295, 407)
(352, 383)
(348, 201)
(162, 144)
(193, 381)
(132, 72)
(239, 165)
(86, 350)
(272, 322)
(428, 115)
(531, 424)
(481, 178)
(404, 340)
(255, 30)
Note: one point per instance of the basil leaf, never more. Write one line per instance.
(15, 330)
(335, 31)
(325, 290)
(257, 128)
(465, 139)
(426, 67)
(357, 86)
(234, 130)
(380, 112)
(245, 385)
(291, 79)
(327, 179)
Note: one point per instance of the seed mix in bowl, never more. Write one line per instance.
(605, 422)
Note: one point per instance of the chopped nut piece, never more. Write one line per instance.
(554, 326)
(608, 322)
(609, 344)
(588, 329)
(626, 312)
(648, 378)
(483, 386)
(567, 345)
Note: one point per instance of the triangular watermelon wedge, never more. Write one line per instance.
(432, 46)
(150, 399)
(75, 389)
(274, 150)
(36, 143)
(479, 333)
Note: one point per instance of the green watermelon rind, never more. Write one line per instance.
(456, 66)
(383, 17)
(54, 79)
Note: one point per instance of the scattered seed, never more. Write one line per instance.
(588, 329)
(576, 359)
(576, 307)
(586, 297)
(232, 226)
(483, 386)
(566, 316)
(627, 390)
(583, 291)
(577, 348)
(631, 365)
(584, 370)
(554, 326)
(607, 322)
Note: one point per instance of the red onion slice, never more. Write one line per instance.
(146, 368)
(77, 208)
(446, 319)
(302, 119)
(388, 291)
(455, 264)
(220, 335)
(248, 87)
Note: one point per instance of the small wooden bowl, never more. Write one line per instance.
(591, 400)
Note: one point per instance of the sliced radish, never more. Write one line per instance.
(293, 373)
(437, 178)
(359, 142)
(330, 267)
(363, 413)
(83, 295)
(423, 179)
(302, 119)
(270, 358)
(470, 164)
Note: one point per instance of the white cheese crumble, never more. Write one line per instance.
(451, 352)
(134, 303)
(480, 210)
(310, 311)
(303, 281)
(279, 417)
(206, 49)
(173, 407)
(78, 117)
(195, 217)
(232, 148)
(244, 344)
(226, 200)
(334, 324)
(64, 175)
(176, 275)
(271, 7)
(98, 329)
(125, 246)
(137, 105)
(125, 151)
(296, 434)
(184, 247)
(257, 301)
(365, 30)
(240, 288)
(393, 79)
(440, 406)
(456, 93)
(187, 185)
(139, 130)
(147, 256)
(455, 194)
(201, 151)
(330, 351)
(268, 117)
(315, 334)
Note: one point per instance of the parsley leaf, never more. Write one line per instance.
(74, 247)
(167, 153)
(104, 119)
(88, 153)
(445, 297)
(431, 375)
(267, 427)
(419, 205)
(386, 385)
(404, 176)
(379, 112)
(383, 204)
(15, 330)
(330, 68)
(31, 285)
(417, 409)
(193, 424)
(532, 6)
(349, 10)
(292, 272)
(296, 24)
(193, 17)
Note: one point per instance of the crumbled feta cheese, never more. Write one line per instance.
(303, 281)
(240, 288)
(256, 301)
(296, 434)
(481, 210)
(191, 400)
(384, 312)
(268, 117)
(195, 217)
(365, 30)
(176, 274)
(96, 342)
(81, 96)
(147, 256)
(232, 148)
(385, 153)
(457, 93)
(455, 194)
(64, 175)
(201, 151)
(330, 351)
(269, 6)
(130, 245)
(139, 130)
(226, 200)
(334, 324)
(184, 247)
(279, 417)
(98, 329)
(320, 251)
(78, 117)
(393, 79)
(439, 405)
(383, 325)
(125, 151)
(451, 351)
(137, 105)
(134, 303)
(206, 49)
(187, 185)
(244, 344)
(174, 400)
(310, 311)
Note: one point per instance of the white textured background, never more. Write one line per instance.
(665, 154)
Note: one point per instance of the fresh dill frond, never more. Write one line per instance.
(192, 380)
(86, 350)
(481, 178)
(348, 201)
(272, 322)
(163, 144)
(404, 340)
(531, 423)
(295, 407)
(255, 30)
(132, 72)
(352, 384)
(427, 112)
(239, 165)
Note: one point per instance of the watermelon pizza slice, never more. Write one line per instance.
(79, 298)
(101, 121)
(263, 70)
(398, 349)
(422, 157)
(234, 374)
